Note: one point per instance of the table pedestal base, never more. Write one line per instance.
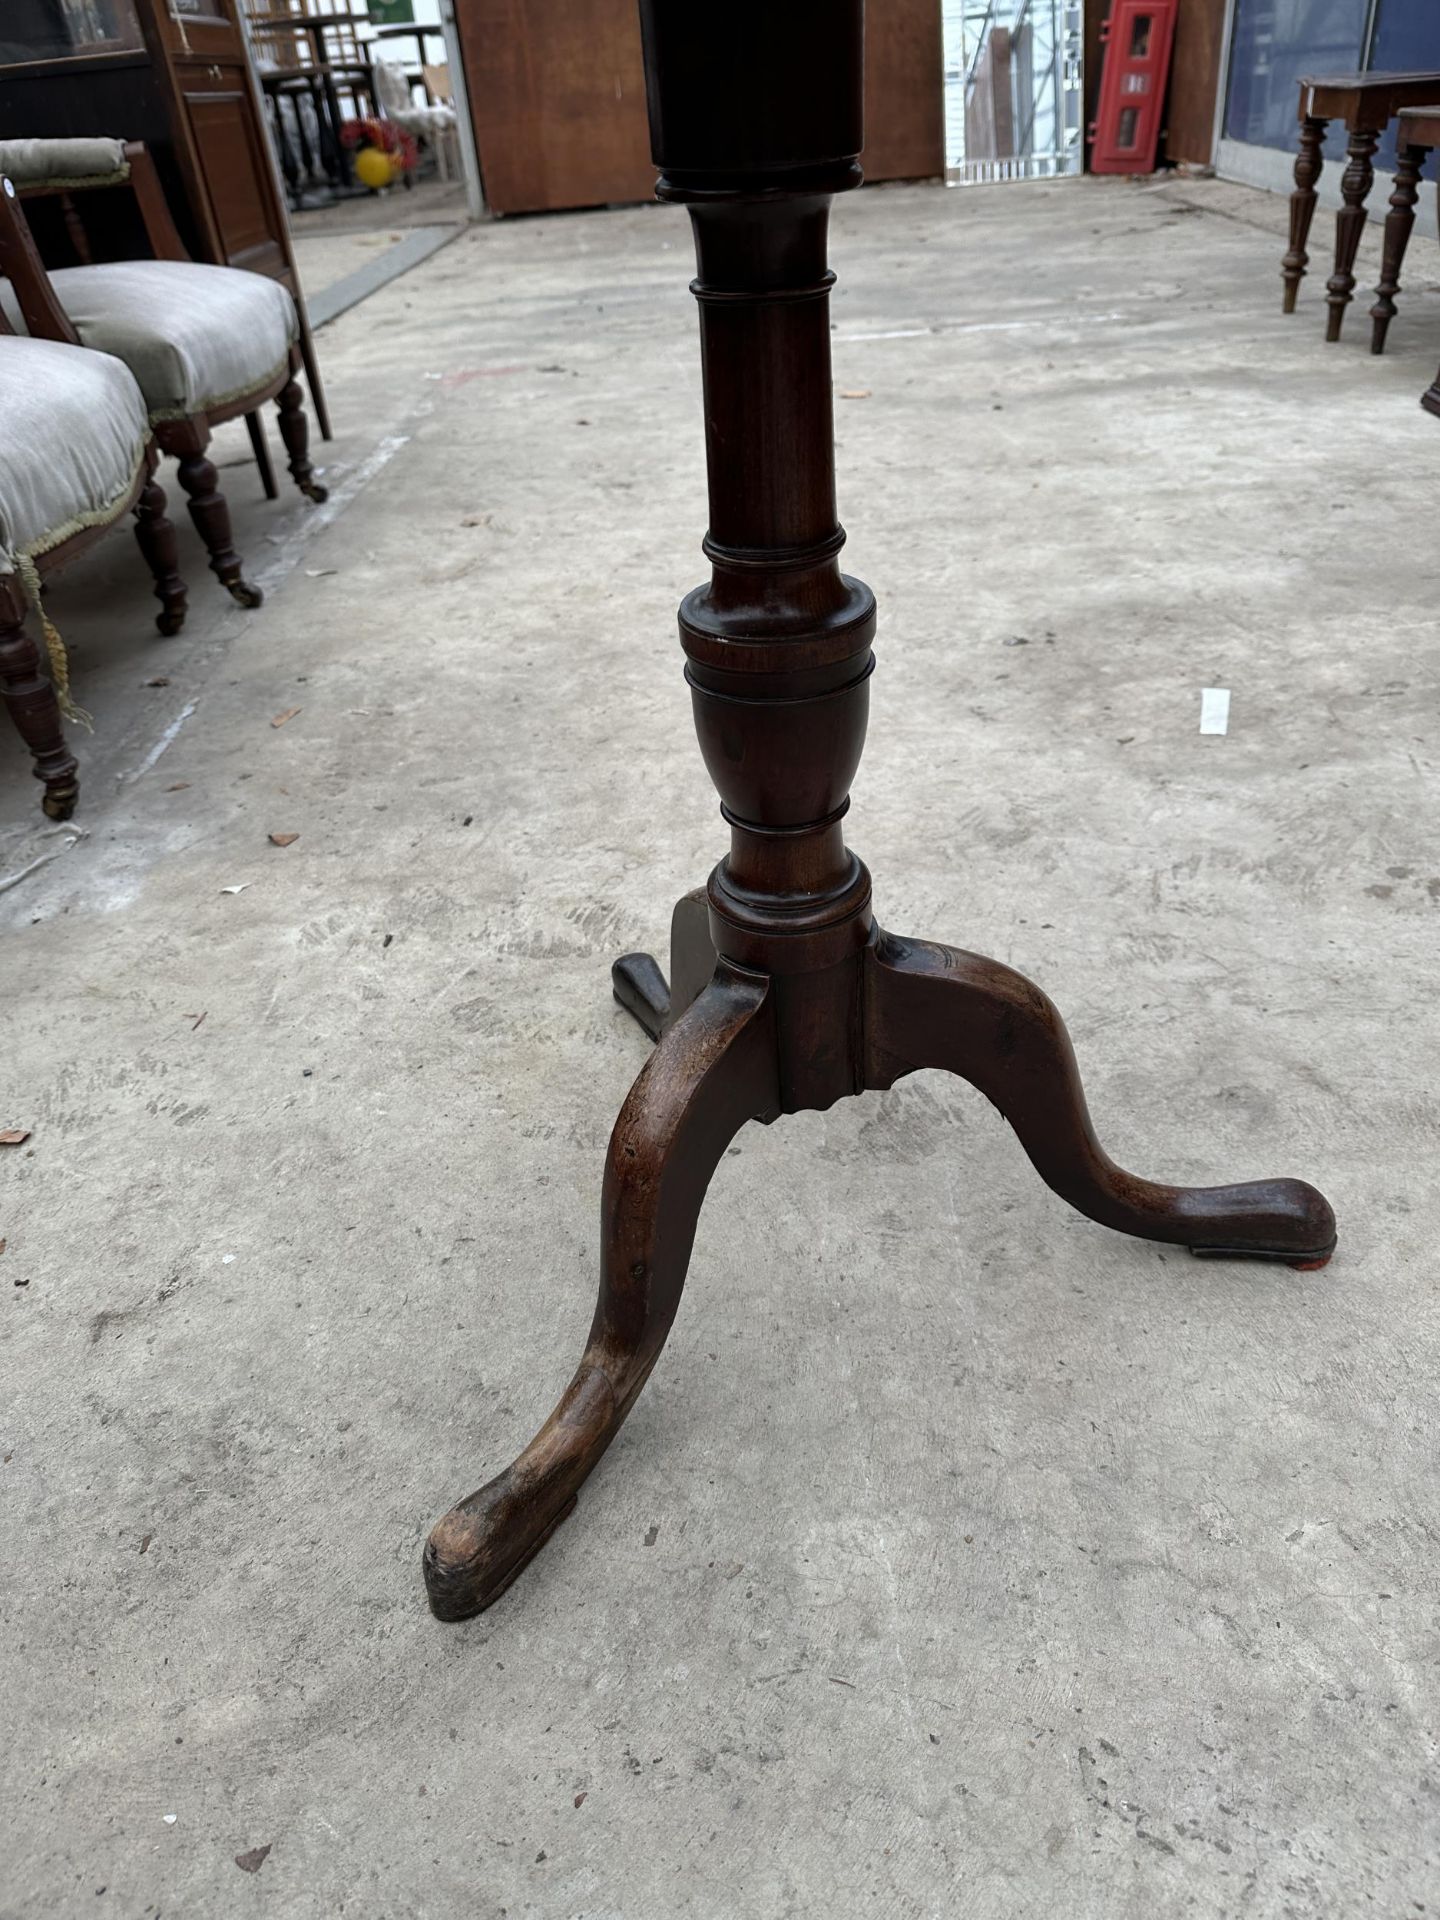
(735, 1045)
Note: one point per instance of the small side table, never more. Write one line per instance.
(1367, 103)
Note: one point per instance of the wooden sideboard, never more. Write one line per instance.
(177, 75)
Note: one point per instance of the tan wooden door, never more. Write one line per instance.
(557, 98)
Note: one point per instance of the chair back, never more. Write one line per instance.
(437, 83)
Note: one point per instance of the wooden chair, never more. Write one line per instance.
(206, 344)
(1367, 103)
(79, 455)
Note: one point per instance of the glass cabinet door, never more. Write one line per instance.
(36, 30)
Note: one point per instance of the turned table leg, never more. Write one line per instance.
(1355, 185)
(31, 702)
(1398, 222)
(1308, 163)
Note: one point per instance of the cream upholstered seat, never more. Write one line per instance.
(73, 433)
(75, 455)
(195, 337)
(206, 344)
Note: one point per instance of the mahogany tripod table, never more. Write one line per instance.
(784, 994)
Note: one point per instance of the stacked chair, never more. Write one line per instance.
(125, 360)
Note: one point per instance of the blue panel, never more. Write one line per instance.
(1407, 40)
(1275, 42)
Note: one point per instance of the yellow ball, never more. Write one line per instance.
(372, 168)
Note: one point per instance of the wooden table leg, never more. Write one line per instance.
(1398, 222)
(1308, 164)
(1355, 185)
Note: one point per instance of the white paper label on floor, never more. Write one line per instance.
(1214, 709)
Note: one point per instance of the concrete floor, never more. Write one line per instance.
(961, 1558)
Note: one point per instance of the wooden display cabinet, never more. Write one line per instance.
(177, 75)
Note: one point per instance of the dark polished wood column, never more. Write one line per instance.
(785, 994)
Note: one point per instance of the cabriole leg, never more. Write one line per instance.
(713, 1070)
(933, 1006)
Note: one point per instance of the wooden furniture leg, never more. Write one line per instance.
(786, 995)
(1398, 223)
(932, 1006)
(1308, 164)
(260, 447)
(641, 988)
(295, 432)
(155, 535)
(713, 1071)
(31, 703)
(1355, 185)
(208, 509)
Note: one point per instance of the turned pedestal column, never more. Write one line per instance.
(784, 994)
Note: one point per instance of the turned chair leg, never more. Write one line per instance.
(642, 989)
(1398, 222)
(1355, 184)
(933, 1006)
(295, 432)
(212, 522)
(260, 447)
(714, 1069)
(1308, 163)
(31, 702)
(155, 534)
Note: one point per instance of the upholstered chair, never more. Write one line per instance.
(76, 453)
(206, 344)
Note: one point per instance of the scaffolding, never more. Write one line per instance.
(1013, 89)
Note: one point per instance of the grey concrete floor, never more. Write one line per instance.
(961, 1558)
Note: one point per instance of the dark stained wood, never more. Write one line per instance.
(787, 996)
(1399, 222)
(1366, 103)
(1308, 164)
(295, 432)
(904, 93)
(1355, 184)
(1194, 81)
(30, 700)
(208, 509)
(155, 536)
